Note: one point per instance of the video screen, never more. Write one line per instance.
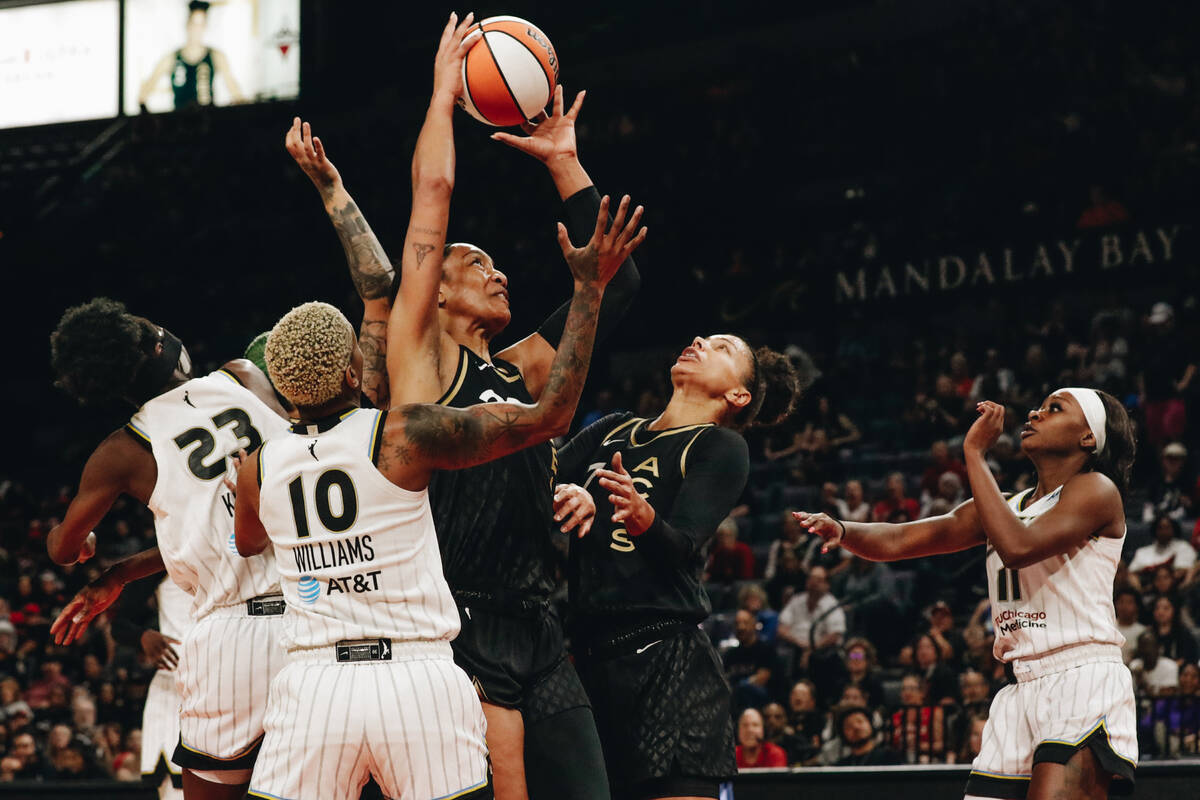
(180, 54)
(58, 62)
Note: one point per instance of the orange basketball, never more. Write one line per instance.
(509, 73)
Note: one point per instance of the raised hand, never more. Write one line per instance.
(309, 153)
(447, 64)
(987, 429)
(598, 260)
(822, 525)
(630, 507)
(575, 505)
(157, 648)
(84, 607)
(553, 138)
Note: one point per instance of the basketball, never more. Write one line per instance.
(509, 73)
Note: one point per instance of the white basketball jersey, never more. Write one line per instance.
(174, 609)
(192, 430)
(357, 555)
(1062, 601)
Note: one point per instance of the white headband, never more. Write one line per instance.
(1093, 411)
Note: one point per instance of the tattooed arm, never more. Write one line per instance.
(370, 268)
(422, 438)
(414, 335)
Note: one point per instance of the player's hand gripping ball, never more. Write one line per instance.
(509, 72)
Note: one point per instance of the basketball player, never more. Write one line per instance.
(172, 456)
(656, 683)
(371, 687)
(193, 66)
(1066, 728)
(160, 716)
(493, 521)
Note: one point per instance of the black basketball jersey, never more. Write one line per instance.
(494, 520)
(192, 83)
(613, 580)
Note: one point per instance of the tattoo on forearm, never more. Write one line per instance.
(421, 250)
(372, 338)
(369, 266)
(428, 231)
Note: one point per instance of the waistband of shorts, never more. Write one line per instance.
(516, 603)
(1028, 669)
(418, 650)
(612, 642)
(243, 608)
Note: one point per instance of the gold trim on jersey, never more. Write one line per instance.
(504, 375)
(633, 442)
(231, 376)
(683, 455)
(609, 436)
(463, 363)
(376, 437)
(261, 447)
(129, 426)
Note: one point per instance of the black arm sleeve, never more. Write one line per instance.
(573, 458)
(582, 208)
(133, 614)
(717, 468)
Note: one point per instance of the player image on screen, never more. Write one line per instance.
(494, 520)
(1067, 726)
(192, 68)
(661, 487)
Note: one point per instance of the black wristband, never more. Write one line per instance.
(841, 525)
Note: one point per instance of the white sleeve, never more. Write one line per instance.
(1185, 555)
(836, 622)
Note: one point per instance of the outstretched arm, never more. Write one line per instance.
(370, 269)
(1090, 504)
(421, 438)
(553, 143)
(101, 593)
(118, 465)
(886, 541)
(414, 334)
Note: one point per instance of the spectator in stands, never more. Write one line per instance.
(1167, 549)
(863, 672)
(833, 560)
(753, 598)
(1175, 641)
(950, 643)
(996, 381)
(918, 728)
(1007, 464)
(940, 462)
(976, 691)
(812, 619)
(896, 500)
(941, 682)
(749, 666)
(38, 694)
(753, 751)
(828, 431)
(806, 720)
(936, 416)
(730, 560)
(127, 764)
(857, 507)
(778, 732)
(1152, 673)
(973, 741)
(790, 577)
(949, 496)
(1103, 210)
(1127, 603)
(830, 503)
(1167, 372)
(23, 761)
(793, 534)
(858, 734)
(1172, 491)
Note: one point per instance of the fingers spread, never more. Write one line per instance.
(578, 104)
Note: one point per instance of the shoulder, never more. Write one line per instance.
(722, 442)
(1094, 485)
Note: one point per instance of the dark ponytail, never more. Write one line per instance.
(775, 388)
(1120, 446)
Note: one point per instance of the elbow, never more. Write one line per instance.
(58, 554)
(433, 183)
(1014, 557)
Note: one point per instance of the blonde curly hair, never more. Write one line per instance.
(307, 353)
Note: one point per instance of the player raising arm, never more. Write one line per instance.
(364, 581)
(1067, 725)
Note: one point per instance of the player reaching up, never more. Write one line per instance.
(493, 521)
(371, 686)
(1066, 728)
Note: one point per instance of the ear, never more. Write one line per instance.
(739, 398)
(352, 377)
(441, 298)
(1088, 441)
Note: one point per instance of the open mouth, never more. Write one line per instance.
(1027, 430)
(689, 354)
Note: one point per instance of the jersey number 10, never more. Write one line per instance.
(334, 523)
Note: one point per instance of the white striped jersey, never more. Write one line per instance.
(1061, 601)
(357, 555)
(174, 609)
(192, 430)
